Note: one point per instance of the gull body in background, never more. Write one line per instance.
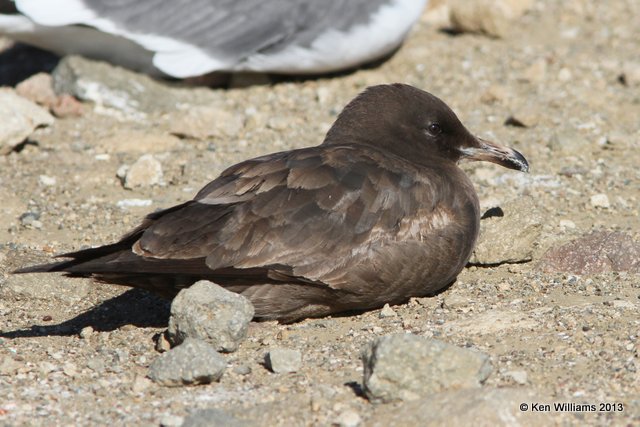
(184, 39)
(377, 213)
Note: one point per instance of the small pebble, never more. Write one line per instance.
(387, 311)
(348, 418)
(283, 360)
(600, 201)
(46, 180)
(242, 370)
(171, 421)
(86, 332)
(520, 377)
(162, 344)
(145, 172)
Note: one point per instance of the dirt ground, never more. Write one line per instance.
(76, 353)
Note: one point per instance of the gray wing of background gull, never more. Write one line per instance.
(191, 38)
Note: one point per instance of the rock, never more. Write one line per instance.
(211, 313)
(597, 252)
(242, 370)
(162, 343)
(536, 72)
(9, 366)
(192, 362)
(495, 93)
(45, 287)
(38, 88)
(206, 122)
(132, 203)
(630, 75)
(524, 118)
(135, 95)
(47, 181)
(520, 377)
(66, 105)
(214, 418)
(387, 311)
(565, 74)
(492, 17)
(510, 238)
(20, 117)
(407, 367)
(567, 224)
(145, 172)
(483, 407)
(454, 301)
(171, 421)
(86, 332)
(600, 201)
(138, 142)
(283, 360)
(348, 418)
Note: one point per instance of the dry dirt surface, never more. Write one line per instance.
(558, 319)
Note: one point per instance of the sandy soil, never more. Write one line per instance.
(575, 336)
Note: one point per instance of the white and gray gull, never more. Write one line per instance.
(191, 38)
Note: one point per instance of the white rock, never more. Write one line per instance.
(520, 377)
(348, 418)
(600, 201)
(20, 117)
(567, 224)
(133, 203)
(47, 180)
(145, 172)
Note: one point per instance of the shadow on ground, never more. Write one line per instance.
(134, 307)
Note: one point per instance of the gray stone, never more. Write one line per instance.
(145, 172)
(206, 122)
(284, 360)
(387, 311)
(492, 17)
(192, 362)
(20, 117)
(471, 407)
(213, 417)
(407, 367)
(597, 252)
(211, 313)
(106, 85)
(510, 238)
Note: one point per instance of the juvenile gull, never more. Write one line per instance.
(377, 213)
(191, 38)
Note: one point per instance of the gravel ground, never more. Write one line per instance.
(562, 87)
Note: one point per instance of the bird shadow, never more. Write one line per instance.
(21, 61)
(134, 307)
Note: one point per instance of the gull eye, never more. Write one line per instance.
(434, 129)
